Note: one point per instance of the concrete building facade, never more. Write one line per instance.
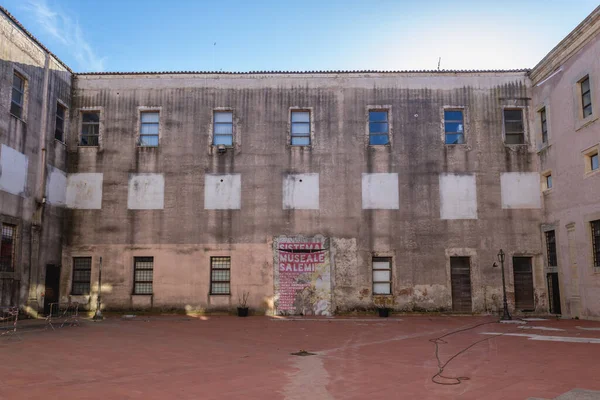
(309, 193)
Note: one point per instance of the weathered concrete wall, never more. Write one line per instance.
(362, 215)
(573, 200)
(22, 183)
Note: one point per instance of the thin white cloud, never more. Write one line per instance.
(66, 30)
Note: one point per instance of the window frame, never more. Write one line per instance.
(213, 260)
(65, 118)
(543, 114)
(308, 135)
(73, 281)
(143, 259)
(13, 249)
(141, 123)
(595, 227)
(588, 159)
(82, 124)
(444, 121)
(389, 260)
(551, 254)
(582, 97)
(214, 124)
(23, 105)
(523, 122)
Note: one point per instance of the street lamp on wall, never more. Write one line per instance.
(505, 314)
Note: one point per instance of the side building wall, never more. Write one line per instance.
(416, 201)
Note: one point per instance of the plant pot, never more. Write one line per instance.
(242, 311)
(384, 312)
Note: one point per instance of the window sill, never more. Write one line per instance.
(60, 142)
(591, 173)
(142, 294)
(7, 274)
(582, 123)
(146, 147)
(81, 146)
(547, 191)
(18, 118)
(545, 147)
(220, 294)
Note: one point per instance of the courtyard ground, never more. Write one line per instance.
(223, 357)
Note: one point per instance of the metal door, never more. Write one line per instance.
(553, 293)
(52, 286)
(460, 273)
(523, 275)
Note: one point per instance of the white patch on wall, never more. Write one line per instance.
(458, 196)
(520, 190)
(56, 186)
(222, 192)
(301, 192)
(380, 191)
(13, 170)
(84, 191)
(146, 192)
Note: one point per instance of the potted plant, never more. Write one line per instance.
(243, 304)
(384, 305)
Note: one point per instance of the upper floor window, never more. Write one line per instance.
(223, 128)
(379, 127)
(595, 225)
(90, 128)
(7, 248)
(549, 181)
(18, 95)
(514, 130)
(544, 125)
(551, 249)
(149, 129)
(586, 97)
(454, 127)
(300, 128)
(59, 126)
(594, 162)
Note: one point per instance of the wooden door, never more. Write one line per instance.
(523, 275)
(460, 272)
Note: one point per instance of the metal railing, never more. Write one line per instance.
(9, 316)
(63, 313)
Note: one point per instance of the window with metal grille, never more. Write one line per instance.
(18, 96)
(382, 275)
(223, 128)
(90, 128)
(300, 128)
(82, 274)
(586, 97)
(149, 129)
(544, 124)
(379, 128)
(59, 128)
(454, 127)
(143, 273)
(514, 130)
(551, 249)
(7, 248)
(596, 242)
(220, 275)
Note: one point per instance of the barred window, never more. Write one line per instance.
(59, 128)
(18, 96)
(90, 129)
(514, 130)
(143, 274)
(149, 129)
(300, 128)
(586, 97)
(220, 275)
(596, 242)
(382, 275)
(82, 274)
(551, 248)
(7, 248)
(379, 128)
(223, 128)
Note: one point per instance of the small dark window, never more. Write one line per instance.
(300, 128)
(149, 129)
(7, 248)
(18, 96)
(382, 275)
(220, 275)
(594, 162)
(513, 126)
(82, 274)
(544, 125)
(59, 129)
(586, 97)
(223, 128)
(551, 249)
(379, 128)
(454, 127)
(143, 273)
(90, 128)
(596, 242)
(549, 181)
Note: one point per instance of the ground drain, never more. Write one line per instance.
(303, 353)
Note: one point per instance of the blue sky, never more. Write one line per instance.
(158, 35)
